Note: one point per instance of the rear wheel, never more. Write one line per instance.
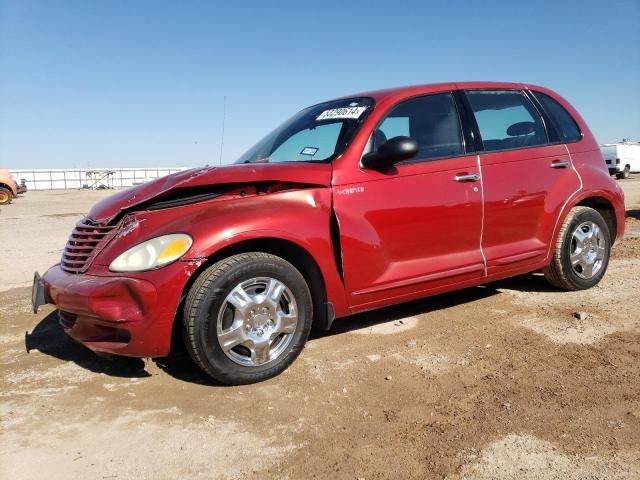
(581, 254)
(624, 173)
(247, 318)
(5, 196)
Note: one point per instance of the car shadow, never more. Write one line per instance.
(49, 338)
(533, 282)
(400, 311)
(179, 364)
(529, 282)
(634, 213)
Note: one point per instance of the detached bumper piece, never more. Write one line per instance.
(37, 293)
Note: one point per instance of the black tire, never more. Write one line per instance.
(560, 272)
(207, 297)
(5, 196)
(624, 174)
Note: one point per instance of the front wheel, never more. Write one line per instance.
(247, 318)
(581, 254)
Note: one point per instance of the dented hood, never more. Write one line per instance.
(312, 174)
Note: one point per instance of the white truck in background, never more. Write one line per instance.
(622, 158)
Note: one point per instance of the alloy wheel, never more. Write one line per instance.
(257, 321)
(587, 250)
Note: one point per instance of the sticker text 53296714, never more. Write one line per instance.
(345, 112)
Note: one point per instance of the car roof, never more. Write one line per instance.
(413, 90)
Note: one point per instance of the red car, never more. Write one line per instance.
(352, 204)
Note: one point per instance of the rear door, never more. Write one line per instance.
(415, 227)
(524, 174)
(609, 153)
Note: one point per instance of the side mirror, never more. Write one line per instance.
(391, 152)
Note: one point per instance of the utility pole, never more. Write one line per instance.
(224, 116)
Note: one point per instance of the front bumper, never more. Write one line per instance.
(110, 314)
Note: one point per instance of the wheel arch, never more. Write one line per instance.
(609, 204)
(8, 187)
(288, 250)
(605, 208)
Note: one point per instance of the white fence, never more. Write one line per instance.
(76, 178)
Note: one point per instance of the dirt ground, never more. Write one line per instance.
(493, 382)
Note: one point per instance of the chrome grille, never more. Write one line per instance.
(86, 240)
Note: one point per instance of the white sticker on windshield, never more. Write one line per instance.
(309, 151)
(345, 112)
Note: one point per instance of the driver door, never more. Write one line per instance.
(416, 227)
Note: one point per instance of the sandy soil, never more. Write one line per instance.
(494, 382)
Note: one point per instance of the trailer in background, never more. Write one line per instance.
(622, 158)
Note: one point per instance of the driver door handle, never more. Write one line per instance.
(467, 177)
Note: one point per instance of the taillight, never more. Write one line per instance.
(617, 161)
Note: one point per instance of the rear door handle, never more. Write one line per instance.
(467, 177)
(560, 164)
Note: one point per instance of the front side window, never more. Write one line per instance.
(432, 121)
(506, 119)
(563, 121)
(316, 134)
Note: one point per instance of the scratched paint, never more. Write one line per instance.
(129, 226)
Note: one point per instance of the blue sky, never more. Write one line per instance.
(141, 83)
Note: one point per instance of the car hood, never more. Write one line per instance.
(299, 173)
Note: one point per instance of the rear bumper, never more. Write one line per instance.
(115, 315)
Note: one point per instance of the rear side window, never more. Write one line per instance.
(506, 119)
(563, 121)
(432, 121)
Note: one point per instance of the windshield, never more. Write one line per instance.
(316, 134)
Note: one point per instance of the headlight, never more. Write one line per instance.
(153, 253)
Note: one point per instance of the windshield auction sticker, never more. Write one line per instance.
(311, 151)
(345, 112)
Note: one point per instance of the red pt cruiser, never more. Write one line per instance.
(352, 204)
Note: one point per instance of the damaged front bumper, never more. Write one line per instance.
(115, 314)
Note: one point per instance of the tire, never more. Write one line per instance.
(228, 304)
(581, 255)
(624, 174)
(5, 196)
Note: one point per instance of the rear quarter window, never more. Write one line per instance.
(563, 121)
